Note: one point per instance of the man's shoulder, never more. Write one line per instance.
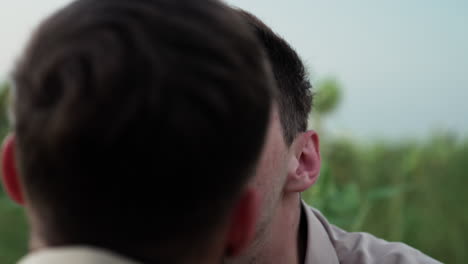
(364, 248)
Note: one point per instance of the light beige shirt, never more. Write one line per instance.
(75, 255)
(329, 244)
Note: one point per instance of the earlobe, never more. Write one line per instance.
(243, 221)
(10, 177)
(305, 164)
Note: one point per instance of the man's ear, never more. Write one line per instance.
(243, 222)
(304, 165)
(10, 176)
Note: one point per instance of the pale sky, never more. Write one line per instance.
(403, 64)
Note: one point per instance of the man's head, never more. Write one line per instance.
(138, 125)
(290, 161)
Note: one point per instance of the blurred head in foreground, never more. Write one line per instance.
(137, 125)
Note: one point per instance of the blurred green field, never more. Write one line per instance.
(13, 231)
(410, 190)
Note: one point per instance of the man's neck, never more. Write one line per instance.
(280, 242)
(285, 244)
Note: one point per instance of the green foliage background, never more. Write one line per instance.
(13, 229)
(411, 191)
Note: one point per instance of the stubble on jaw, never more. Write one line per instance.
(271, 176)
(255, 253)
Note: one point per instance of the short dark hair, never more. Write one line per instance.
(295, 97)
(138, 122)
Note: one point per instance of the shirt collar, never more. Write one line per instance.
(75, 255)
(319, 247)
